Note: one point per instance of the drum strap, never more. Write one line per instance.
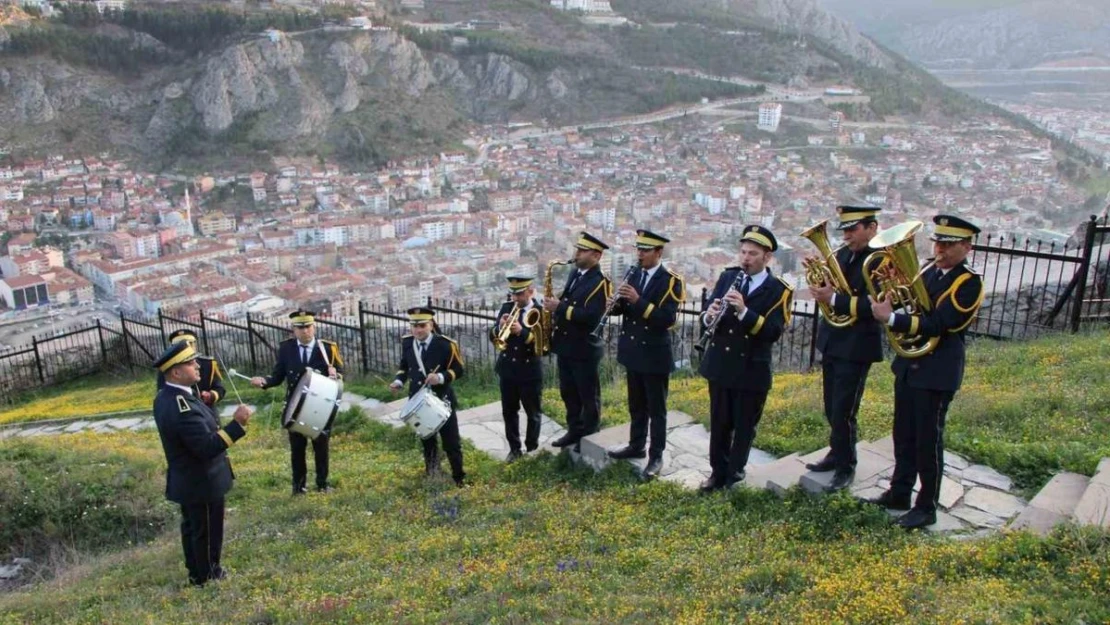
(324, 353)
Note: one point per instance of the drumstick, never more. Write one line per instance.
(230, 378)
(237, 374)
(434, 369)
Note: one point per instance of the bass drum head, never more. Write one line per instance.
(296, 399)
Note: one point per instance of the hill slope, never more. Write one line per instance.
(1002, 34)
(169, 82)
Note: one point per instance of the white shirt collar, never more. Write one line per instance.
(651, 272)
(757, 280)
(309, 344)
(184, 388)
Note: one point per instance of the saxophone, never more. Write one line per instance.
(542, 344)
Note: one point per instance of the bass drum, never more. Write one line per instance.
(312, 405)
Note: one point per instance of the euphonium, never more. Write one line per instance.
(501, 339)
(898, 276)
(547, 324)
(826, 271)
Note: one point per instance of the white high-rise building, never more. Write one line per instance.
(770, 114)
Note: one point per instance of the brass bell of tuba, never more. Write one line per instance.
(826, 271)
(898, 276)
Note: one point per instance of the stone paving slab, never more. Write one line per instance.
(1038, 520)
(946, 523)
(756, 476)
(986, 476)
(993, 502)
(76, 426)
(976, 517)
(1062, 493)
(869, 465)
(1094, 506)
(8, 433)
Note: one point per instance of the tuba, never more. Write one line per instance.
(826, 270)
(898, 276)
(547, 323)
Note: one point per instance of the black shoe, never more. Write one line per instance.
(323, 489)
(651, 471)
(627, 452)
(824, 465)
(460, 482)
(917, 519)
(736, 478)
(890, 501)
(565, 440)
(299, 490)
(710, 485)
(530, 447)
(840, 481)
(218, 573)
(514, 455)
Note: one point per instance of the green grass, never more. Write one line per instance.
(544, 541)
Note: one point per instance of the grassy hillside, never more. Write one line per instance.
(541, 540)
(1046, 416)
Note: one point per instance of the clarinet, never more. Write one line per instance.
(609, 305)
(711, 327)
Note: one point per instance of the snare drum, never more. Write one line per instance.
(426, 413)
(312, 404)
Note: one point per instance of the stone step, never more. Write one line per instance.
(870, 467)
(758, 476)
(1102, 473)
(1094, 506)
(1054, 504)
(594, 449)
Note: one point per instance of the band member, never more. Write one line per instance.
(648, 304)
(294, 356)
(198, 473)
(737, 362)
(576, 315)
(924, 386)
(429, 358)
(210, 389)
(847, 352)
(518, 367)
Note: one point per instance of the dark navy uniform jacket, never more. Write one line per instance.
(210, 379)
(956, 298)
(519, 360)
(739, 355)
(645, 339)
(195, 445)
(442, 352)
(580, 310)
(289, 367)
(861, 341)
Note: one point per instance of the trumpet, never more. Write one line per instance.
(612, 301)
(711, 326)
(501, 339)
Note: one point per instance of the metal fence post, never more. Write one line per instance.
(204, 334)
(103, 346)
(38, 358)
(362, 339)
(161, 324)
(1084, 267)
(250, 343)
(127, 342)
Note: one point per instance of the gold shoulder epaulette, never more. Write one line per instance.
(785, 284)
